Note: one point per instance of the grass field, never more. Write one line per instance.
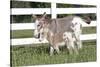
(29, 55)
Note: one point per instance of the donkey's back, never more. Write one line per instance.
(64, 24)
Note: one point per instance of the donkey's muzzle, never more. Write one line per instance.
(37, 36)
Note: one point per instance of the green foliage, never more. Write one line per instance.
(21, 19)
(40, 5)
(24, 4)
(92, 16)
(72, 5)
(19, 4)
(21, 34)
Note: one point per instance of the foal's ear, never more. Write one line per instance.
(33, 16)
(44, 14)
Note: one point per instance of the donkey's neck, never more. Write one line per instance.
(52, 26)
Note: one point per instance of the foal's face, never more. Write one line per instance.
(40, 24)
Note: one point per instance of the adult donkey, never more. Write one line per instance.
(62, 31)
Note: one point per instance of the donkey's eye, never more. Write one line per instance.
(38, 25)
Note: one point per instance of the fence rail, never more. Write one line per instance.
(21, 26)
(27, 11)
(26, 41)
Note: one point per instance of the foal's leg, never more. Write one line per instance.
(79, 44)
(78, 41)
(51, 50)
(67, 39)
(72, 46)
(57, 49)
(69, 47)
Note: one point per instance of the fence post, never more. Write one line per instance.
(53, 10)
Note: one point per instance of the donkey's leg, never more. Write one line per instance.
(67, 39)
(73, 47)
(51, 50)
(51, 46)
(57, 49)
(79, 44)
(69, 47)
(78, 41)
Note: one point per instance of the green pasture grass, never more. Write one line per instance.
(22, 33)
(29, 33)
(39, 55)
(88, 30)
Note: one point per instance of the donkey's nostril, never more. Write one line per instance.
(38, 25)
(39, 35)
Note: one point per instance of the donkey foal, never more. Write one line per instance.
(69, 41)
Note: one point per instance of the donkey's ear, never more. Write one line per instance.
(44, 14)
(33, 16)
